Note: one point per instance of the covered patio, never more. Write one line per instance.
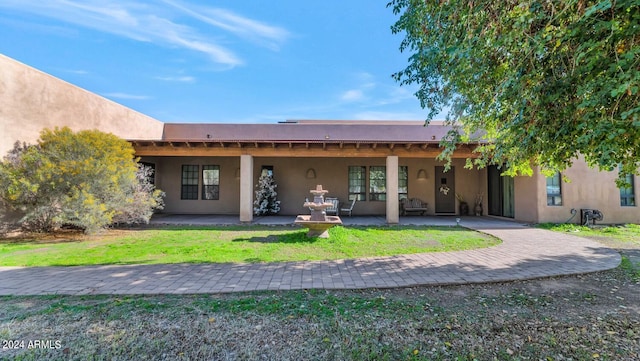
(375, 163)
(213, 219)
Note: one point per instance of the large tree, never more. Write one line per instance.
(536, 82)
(88, 179)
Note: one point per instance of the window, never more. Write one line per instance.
(210, 182)
(189, 182)
(403, 182)
(554, 191)
(377, 183)
(357, 183)
(627, 194)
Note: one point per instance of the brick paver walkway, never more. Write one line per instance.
(525, 253)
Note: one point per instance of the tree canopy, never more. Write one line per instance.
(535, 82)
(88, 179)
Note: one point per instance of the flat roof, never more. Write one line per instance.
(309, 131)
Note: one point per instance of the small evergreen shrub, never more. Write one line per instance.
(266, 202)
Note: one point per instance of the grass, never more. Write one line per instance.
(516, 321)
(629, 233)
(234, 244)
(584, 317)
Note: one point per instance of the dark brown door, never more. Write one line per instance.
(445, 190)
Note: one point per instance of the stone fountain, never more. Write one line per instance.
(318, 222)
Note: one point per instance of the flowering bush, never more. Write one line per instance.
(87, 179)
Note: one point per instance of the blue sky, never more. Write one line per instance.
(219, 61)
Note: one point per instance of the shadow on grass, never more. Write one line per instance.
(299, 237)
(45, 238)
(336, 233)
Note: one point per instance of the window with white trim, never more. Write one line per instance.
(378, 183)
(357, 183)
(211, 182)
(554, 190)
(627, 194)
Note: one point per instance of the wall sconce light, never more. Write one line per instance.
(237, 173)
(311, 173)
(422, 174)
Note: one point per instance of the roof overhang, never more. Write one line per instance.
(302, 139)
(294, 148)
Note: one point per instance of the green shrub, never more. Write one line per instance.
(87, 179)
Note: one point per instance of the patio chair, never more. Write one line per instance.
(334, 208)
(349, 209)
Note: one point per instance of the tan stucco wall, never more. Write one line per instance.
(293, 186)
(168, 179)
(588, 188)
(469, 183)
(31, 100)
(525, 198)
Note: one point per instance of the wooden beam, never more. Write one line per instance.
(407, 146)
(295, 152)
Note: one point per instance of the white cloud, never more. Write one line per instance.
(154, 23)
(259, 32)
(126, 96)
(353, 95)
(180, 79)
(366, 79)
(365, 83)
(74, 71)
(389, 115)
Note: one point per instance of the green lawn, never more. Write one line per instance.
(629, 233)
(234, 244)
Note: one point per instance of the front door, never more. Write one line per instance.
(445, 190)
(500, 195)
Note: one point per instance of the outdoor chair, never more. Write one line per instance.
(349, 209)
(334, 208)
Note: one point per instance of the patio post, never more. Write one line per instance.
(393, 214)
(246, 188)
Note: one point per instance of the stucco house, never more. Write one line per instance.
(213, 168)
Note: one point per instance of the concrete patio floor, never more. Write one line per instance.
(525, 253)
